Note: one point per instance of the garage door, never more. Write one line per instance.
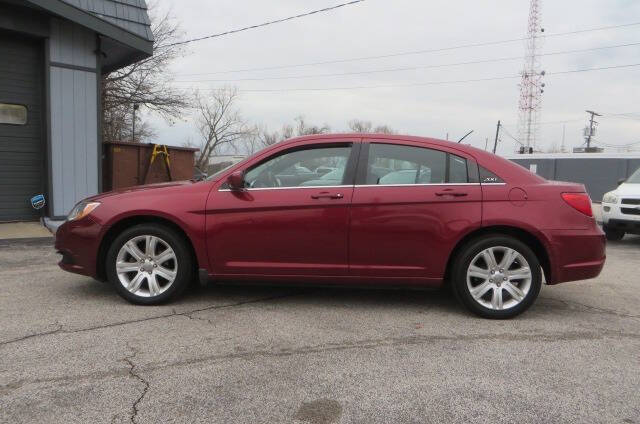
(21, 129)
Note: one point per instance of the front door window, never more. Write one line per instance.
(311, 167)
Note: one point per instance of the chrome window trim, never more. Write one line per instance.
(414, 185)
(286, 188)
(364, 186)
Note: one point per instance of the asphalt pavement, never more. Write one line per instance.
(71, 350)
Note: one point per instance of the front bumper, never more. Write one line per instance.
(620, 215)
(626, 225)
(78, 242)
(576, 254)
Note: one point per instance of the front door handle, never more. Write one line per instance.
(327, 196)
(450, 193)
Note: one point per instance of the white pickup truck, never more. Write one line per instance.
(621, 208)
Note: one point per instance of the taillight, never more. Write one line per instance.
(579, 201)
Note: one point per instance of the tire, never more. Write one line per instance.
(613, 235)
(477, 289)
(154, 281)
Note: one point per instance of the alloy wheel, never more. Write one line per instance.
(146, 266)
(499, 278)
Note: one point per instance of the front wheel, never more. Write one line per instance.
(497, 277)
(149, 264)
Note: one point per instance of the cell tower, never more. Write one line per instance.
(531, 84)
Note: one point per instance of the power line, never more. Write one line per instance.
(615, 145)
(595, 69)
(361, 87)
(512, 137)
(566, 121)
(411, 68)
(277, 21)
(414, 52)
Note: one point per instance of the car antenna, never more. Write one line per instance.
(465, 136)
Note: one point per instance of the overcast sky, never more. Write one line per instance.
(381, 27)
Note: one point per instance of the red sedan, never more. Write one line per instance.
(340, 209)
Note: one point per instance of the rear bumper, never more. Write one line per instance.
(78, 242)
(576, 254)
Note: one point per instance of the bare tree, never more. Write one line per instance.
(146, 83)
(305, 129)
(219, 123)
(262, 137)
(359, 126)
(384, 129)
(267, 138)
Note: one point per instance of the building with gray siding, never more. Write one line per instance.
(599, 172)
(52, 56)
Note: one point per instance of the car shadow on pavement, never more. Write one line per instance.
(353, 297)
(229, 293)
(628, 240)
(387, 300)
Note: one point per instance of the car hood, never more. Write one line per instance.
(626, 189)
(141, 188)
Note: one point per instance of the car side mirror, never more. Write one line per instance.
(621, 180)
(236, 181)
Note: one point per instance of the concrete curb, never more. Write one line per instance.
(30, 241)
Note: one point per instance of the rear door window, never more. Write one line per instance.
(457, 169)
(391, 164)
(395, 164)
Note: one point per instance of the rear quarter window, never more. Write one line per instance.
(488, 177)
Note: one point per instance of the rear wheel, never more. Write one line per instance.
(149, 264)
(496, 276)
(613, 235)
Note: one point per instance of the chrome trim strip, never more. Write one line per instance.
(414, 185)
(287, 188)
(367, 185)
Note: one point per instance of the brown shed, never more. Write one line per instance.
(127, 164)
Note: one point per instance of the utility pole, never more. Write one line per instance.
(590, 131)
(564, 127)
(495, 143)
(486, 143)
(133, 131)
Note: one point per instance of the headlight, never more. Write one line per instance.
(82, 209)
(610, 198)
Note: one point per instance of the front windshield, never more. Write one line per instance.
(634, 178)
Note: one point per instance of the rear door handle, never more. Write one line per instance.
(450, 193)
(327, 196)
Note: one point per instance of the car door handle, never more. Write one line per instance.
(450, 193)
(327, 196)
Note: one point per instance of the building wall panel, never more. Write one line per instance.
(74, 137)
(72, 45)
(598, 174)
(633, 164)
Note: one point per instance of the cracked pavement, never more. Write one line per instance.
(71, 350)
